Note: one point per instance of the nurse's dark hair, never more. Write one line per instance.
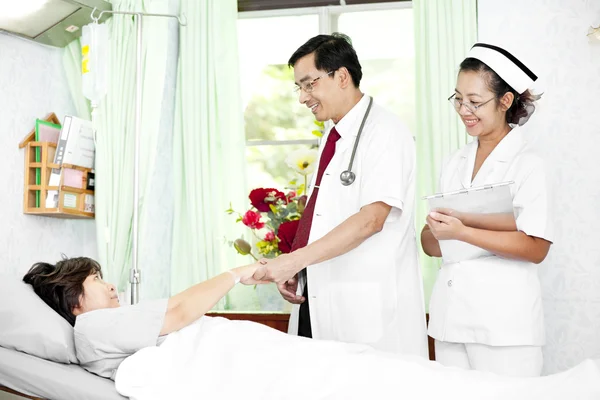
(61, 285)
(523, 104)
(332, 52)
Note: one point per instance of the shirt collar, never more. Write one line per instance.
(509, 146)
(348, 125)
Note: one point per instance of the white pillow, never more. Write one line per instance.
(29, 325)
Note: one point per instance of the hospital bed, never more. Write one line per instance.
(23, 376)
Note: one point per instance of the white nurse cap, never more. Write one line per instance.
(507, 66)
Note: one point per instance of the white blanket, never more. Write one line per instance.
(215, 358)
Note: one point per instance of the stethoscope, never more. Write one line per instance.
(348, 177)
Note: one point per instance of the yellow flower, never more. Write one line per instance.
(302, 161)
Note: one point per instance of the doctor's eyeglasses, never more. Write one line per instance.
(471, 107)
(308, 87)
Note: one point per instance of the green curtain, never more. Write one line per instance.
(445, 30)
(208, 146)
(114, 121)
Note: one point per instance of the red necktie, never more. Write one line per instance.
(301, 238)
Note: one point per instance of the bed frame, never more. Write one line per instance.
(9, 394)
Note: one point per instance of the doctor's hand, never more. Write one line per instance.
(246, 273)
(288, 291)
(445, 227)
(280, 269)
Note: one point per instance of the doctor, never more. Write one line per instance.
(486, 313)
(353, 272)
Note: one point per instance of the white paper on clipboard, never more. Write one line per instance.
(488, 199)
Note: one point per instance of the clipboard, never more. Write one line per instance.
(487, 199)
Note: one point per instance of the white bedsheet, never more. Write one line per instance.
(220, 359)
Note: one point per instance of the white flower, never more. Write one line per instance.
(302, 161)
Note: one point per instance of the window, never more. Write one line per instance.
(275, 122)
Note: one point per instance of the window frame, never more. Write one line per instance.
(264, 5)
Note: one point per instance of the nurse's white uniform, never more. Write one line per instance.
(374, 293)
(492, 300)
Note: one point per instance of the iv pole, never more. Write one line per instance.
(134, 273)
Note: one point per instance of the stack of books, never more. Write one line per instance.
(75, 148)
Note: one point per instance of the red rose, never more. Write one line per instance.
(270, 236)
(252, 220)
(286, 235)
(261, 198)
(290, 196)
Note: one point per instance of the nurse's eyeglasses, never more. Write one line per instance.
(471, 107)
(308, 87)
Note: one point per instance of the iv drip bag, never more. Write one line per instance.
(94, 59)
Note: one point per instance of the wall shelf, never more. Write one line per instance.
(73, 202)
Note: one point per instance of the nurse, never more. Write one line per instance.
(486, 313)
(353, 272)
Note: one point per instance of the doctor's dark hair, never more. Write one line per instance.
(61, 285)
(523, 104)
(332, 52)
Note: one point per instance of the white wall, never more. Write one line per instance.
(32, 84)
(550, 37)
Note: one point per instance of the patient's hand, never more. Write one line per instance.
(246, 273)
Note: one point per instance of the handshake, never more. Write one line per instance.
(282, 270)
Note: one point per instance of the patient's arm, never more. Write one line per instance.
(490, 222)
(191, 304)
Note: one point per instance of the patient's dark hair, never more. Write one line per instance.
(61, 285)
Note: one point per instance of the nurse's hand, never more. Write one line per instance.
(288, 291)
(445, 227)
(451, 213)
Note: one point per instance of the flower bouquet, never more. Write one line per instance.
(274, 216)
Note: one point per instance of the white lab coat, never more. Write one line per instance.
(493, 300)
(372, 294)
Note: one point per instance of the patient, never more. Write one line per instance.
(104, 338)
(168, 349)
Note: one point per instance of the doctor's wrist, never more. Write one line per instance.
(301, 259)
